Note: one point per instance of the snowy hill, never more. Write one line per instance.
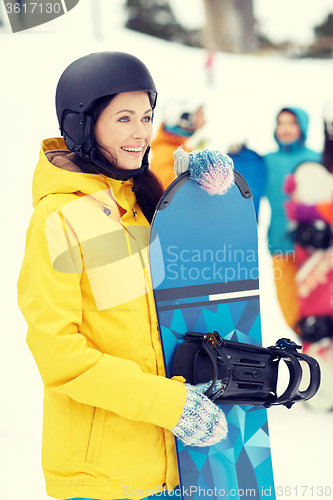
(247, 93)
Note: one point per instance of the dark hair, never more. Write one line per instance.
(327, 159)
(148, 191)
(149, 194)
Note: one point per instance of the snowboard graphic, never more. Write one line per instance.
(204, 265)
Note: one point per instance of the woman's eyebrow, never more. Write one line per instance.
(131, 111)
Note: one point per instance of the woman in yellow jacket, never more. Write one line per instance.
(110, 414)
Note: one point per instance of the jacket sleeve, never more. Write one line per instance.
(326, 212)
(51, 302)
(162, 164)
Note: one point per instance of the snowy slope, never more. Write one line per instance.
(248, 92)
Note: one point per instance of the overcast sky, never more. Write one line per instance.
(279, 19)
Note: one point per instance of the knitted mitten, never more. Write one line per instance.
(212, 170)
(202, 422)
(182, 161)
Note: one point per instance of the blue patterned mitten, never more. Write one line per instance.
(202, 422)
(211, 170)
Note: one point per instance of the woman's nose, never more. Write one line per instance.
(140, 131)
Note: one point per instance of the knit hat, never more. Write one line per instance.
(179, 115)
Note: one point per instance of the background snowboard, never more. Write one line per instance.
(204, 264)
(314, 185)
(314, 278)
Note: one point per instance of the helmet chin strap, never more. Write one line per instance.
(123, 175)
(144, 166)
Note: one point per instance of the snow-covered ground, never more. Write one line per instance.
(247, 93)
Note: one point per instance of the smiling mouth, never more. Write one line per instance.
(133, 150)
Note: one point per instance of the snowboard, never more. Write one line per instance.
(314, 277)
(204, 266)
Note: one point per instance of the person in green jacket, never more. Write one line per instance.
(290, 135)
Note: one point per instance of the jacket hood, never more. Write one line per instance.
(56, 173)
(303, 122)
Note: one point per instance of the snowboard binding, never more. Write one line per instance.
(248, 374)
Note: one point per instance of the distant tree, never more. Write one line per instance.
(156, 18)
(230, 25)
(264, 42)
(326, 28)
(322, 47)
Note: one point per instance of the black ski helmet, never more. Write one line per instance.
(89, 78)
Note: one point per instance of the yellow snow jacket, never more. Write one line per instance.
(85, 292)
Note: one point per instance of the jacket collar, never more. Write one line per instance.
(293, 147)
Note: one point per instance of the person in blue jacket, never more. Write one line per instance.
(290, 134)
(251, 166)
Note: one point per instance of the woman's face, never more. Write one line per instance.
(125, 128)
(287, 130)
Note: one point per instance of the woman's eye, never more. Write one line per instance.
(124, 119)
(147, 119)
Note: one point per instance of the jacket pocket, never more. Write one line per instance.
(96, 434)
